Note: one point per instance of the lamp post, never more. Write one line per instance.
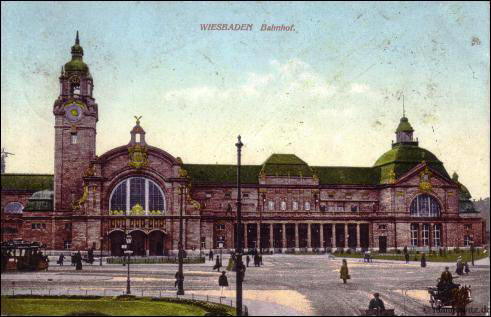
(220, 246)
(239, 250)
(128, 253)
(472, 250)
(180, 278)
(100, 259)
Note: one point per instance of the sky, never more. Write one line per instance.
(328, 91)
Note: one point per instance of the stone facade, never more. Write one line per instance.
(405, 199)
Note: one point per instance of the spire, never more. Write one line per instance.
(403, 109)
(77, 41)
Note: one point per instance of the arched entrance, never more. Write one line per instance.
(156, 242)
(117, 239)
(138, 242)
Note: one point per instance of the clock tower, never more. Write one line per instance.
(76, 117)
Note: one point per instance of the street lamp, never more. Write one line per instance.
(472, 249)
(128, 253)
(220, 246)
(239, 250)
(100, 260)
(180, 277)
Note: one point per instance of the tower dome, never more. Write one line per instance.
(77, 64)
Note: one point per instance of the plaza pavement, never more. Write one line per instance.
(285, 285)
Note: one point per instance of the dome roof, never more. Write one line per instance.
(404, 126)
(404, 153)
(76, 65)
(40, 201)
(403, 157)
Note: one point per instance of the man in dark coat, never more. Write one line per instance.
(248, 259)
(222, 282)
(78, 261)
(406, 257)
(217, 264)
(60, 259)
(376, 303)
(90, 255)
(446, 276)
(260, 260)
(423, 260)
(210, 255)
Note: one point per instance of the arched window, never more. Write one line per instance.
(271, 205)
(283, 205)
(13, 208)
(425, 206)
(137, 193)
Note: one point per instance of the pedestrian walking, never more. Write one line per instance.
(260, 260)
(210, 255)
(60, 259)
(460, 266)
(248, 259)
(423, 260)
(217, 265)
(222, 282)
(344, 273)
(78, 261)
(466, 268)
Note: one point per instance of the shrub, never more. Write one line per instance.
(398, 251)
(348, 251)
(125, 297)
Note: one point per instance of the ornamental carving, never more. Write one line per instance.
(138, 156)
(425, 180)
(137, 209)
(77, 204)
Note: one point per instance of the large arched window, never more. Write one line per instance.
(425, 206)
(137, 194)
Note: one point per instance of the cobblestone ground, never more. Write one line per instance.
(285, 285)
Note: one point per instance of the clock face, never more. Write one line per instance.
(73, 111)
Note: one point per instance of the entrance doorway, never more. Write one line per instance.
(156, 242)
(117, 238)
(382, 244)
(138, 242)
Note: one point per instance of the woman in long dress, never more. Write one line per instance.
(344, 273)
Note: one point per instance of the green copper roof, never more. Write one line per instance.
(32, 182)
(341, 175)
(404, 126)
(40, 201)
(404, 153)
(76, 65)
(222, 174)
(286, 165)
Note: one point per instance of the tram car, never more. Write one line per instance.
(21, 255)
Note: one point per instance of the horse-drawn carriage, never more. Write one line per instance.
(450, 295)
(20, 255)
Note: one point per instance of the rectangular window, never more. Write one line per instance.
(73, 138)
(228, 195)
(354, 208)
(340, 207)
(271, 205)
(348, 196)
(382, 227)
(33, 226)
(203, 242)
(330, 196)
(437, 235)
(425, 235)
(323, 208)
(208, 194)
(67, 244)
(245, 195)
(38, 226)
(220, 226)
(414, 234)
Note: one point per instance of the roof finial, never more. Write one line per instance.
(77, 41)
(403, 109)
(138, 120)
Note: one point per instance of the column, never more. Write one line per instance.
(309, 238)
(271, 236)
(345, 235)
(296, 236)
(283, 242)
(322, 236)
(258, 231)
(358, 245)
(245, 237)
(334, 235)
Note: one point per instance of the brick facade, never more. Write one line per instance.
(286, 203)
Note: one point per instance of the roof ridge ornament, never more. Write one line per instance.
(137, 119)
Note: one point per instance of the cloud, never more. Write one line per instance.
(359, 88)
